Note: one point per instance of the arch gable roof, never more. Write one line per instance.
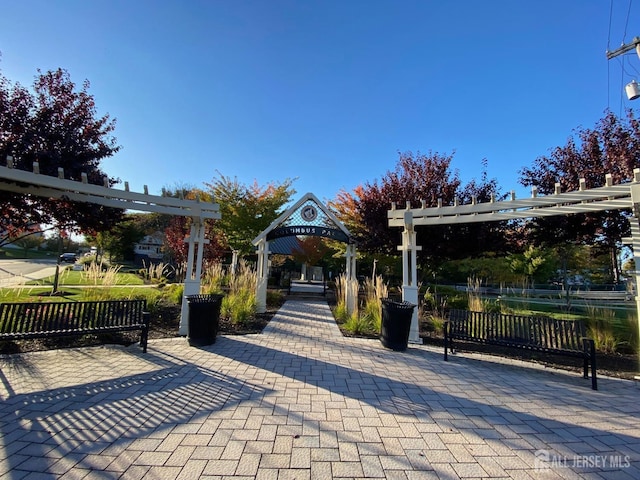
(293, 218)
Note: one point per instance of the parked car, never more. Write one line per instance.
(69, 258)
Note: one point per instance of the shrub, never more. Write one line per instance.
(240, 304)
(340, 312)
(213, 279)
(474, 300)
(370, 315)
(342, 286)
(100, 281)
(173, 293)
(275, 298)
(239, 307)
(358, 325)
(610, 334)
(154, 273)
(435, 323)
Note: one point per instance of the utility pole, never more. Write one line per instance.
(627, 47)
(632, 88)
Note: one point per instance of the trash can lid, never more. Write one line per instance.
(203, 298)
(397, 304)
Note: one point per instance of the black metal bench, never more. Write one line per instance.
(541, 334)
(21, 321)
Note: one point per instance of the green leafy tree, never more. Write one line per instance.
(533, 264)
(56, 125)
(246, 210)
(119, 241)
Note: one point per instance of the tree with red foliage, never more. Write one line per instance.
(57, 126)
(418, 178)
(179, 228)
(612, 147)
(310, 250)
(176, 233)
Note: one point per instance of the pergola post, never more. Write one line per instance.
(194, 270)
(262, 275)
(634, 223)
(409, 250)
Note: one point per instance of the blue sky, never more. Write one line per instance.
(328, 92)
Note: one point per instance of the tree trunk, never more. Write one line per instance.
(615, 268)
(56, 277)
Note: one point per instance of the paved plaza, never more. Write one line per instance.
(301, 401)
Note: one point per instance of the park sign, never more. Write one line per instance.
(316, 231)
(307, 217)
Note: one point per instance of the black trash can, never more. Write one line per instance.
(204, 316)
(396, 324)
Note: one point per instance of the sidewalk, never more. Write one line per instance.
(302, 401)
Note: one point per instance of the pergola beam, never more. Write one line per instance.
(614, 197)
(21, 181)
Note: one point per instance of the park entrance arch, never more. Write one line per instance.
(307, 217)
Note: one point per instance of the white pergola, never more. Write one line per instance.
(33, 183)
(608, 197)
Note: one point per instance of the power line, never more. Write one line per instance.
(626, 23)
(610, 18)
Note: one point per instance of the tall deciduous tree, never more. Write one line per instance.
(611, 147)
(311, 250)
(56, 125)
(417, 178)
(178, 229)
(247, 210)
(120, 240)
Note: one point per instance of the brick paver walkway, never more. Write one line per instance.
(301, 401)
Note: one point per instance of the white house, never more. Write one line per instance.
(149, 249)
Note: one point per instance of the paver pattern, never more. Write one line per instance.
(300, 401)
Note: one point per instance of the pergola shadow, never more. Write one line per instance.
(464, 399)
(89, 418)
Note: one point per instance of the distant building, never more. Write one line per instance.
(149, 249)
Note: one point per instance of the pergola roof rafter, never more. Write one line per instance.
(610, 197)
(32, 183)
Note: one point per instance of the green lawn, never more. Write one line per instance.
(76, 285)
(72, 277)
